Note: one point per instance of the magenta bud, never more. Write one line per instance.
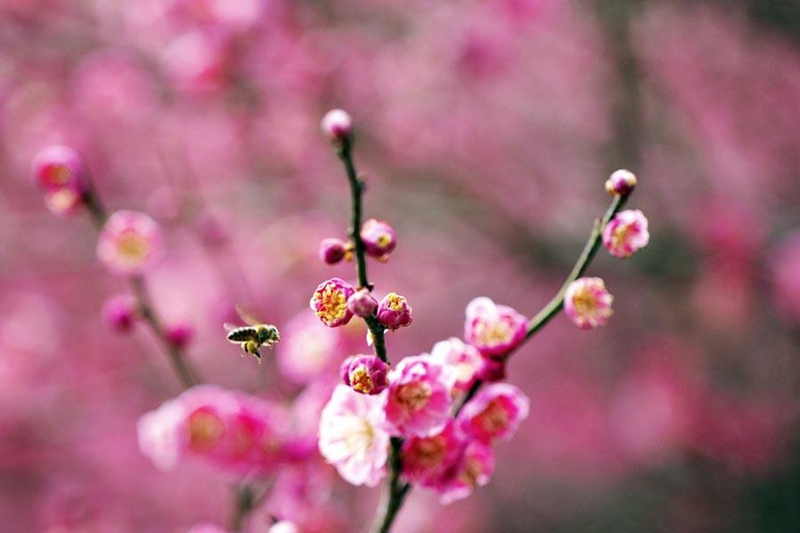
(337, 125)
(332, 250)
(179, 335)
(58, 167)
(492, 370)
(362, 303)
(394, 311)
(620, 182)
(379, 238)
(120, 312)
(365, 374)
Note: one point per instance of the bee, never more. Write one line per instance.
(253, 336)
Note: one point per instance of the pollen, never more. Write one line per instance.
(332, 303)
(205, 430)
(414, 395)
(361, 381)
(133, 246)
(494, 418)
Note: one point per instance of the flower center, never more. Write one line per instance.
(494, 418)
(132, 246)
(205, 430)
(414, 395)
(360, 380)
(333, 304)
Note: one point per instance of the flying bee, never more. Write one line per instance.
(253, 336)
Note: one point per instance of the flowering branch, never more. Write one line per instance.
(555, 305)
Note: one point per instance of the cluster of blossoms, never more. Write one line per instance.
(587, 302)
(239, 433)
(435, 417)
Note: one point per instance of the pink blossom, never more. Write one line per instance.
(308, 349)
(394, 311)
(494, 413)
(621, 182)
(473, 469)
(587, 303)
(462, 362)
(365, 374)
(120, 312)
(130, 243)
(426, 460)
(332, 250)
(626, 233)
(418, 400)
(379, 238)
(352, 437)
(329, 302)
(362, 303)
(337, 125)
(493, 329)
(237, 432)
(60, 172)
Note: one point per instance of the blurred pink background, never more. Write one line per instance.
(486, 129)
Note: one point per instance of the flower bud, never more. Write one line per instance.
(120, 312)
(620, 182)
(130, 242)
(56, 167)
(179, 335)
(329, 302)
(365, 374)
(332, 250)
(362, 303)
(626, 233)
(394, 311)
(59, 171)
(379, 238)
(337, 125)
(587, 303)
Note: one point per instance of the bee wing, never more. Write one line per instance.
(228, 326)
(247, 316)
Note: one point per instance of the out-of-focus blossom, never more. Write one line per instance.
(587, 303)
(621, 182)
(196, 62)
(394, 311)
(626, 233)
(332, 250)
(130, 243)
(60, 172)
(120, 312)
(362, 303)
(308, 349)
(493, 329)
(784, 264)
(179, 334)
(379, 238)
(365, 374)
(462, 361)
(336, 125)
(284, 526)
(427, 460)
(329, 302)
(473, 469)
(494, 413)
(237, 432)
(418, 399)
(352, 436)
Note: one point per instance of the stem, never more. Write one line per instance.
(345, 153)
(557, 303)
(175, 355)
(394, 497)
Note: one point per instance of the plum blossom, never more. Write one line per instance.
(352, 436)
(494, 413)
(418, 398)
(626, 233)
(493, 329)
(130, 243)
(587, 303)
(365, 374)
(379, 238)
(60, 172)
(329, 302)
(620, 182)
(427, 460)
(394, 311)
(473, 469)
(462, 361)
